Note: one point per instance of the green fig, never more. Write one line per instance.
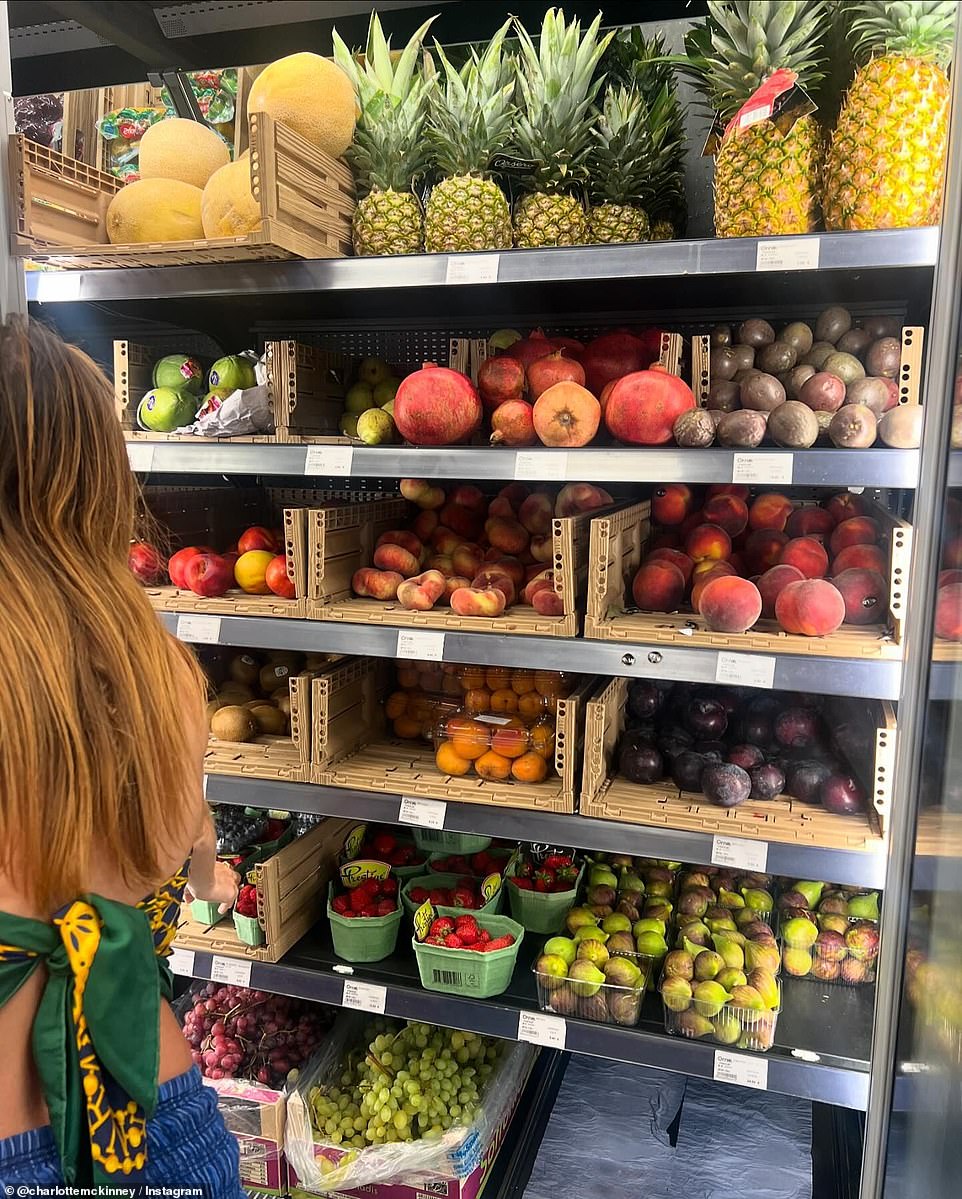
(693, 949)
(616, 923)
(602, 876)
(758, 900)
(693, 1024)
(651, 944)
(797, 962)
(676, 994)
(731, 900)
(727, 1027)
(764, 957)
(678, 964)
(629, 881)
(730, 977)
(744, 917)
(562, 947)
(722, 924)
(592, 950)
(590, 932)
(577, 918)
(811, 891)
(747, 997)
(620, 943)
(584, 978)
(697, 934)
(709, 998)
(551, 970)
(799, 932)
(708, 965)
(731, 952)
(766, 985)
(864, 907)
(620, 972)
(647, 925)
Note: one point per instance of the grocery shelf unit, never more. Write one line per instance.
(831, 1060)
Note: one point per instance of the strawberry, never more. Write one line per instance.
(441, 926)
(481, 863)
(351, 914)
(341, 904)
(385, 907)
(358, 899)
(556, 861)
(567, 875)
(384, 843)
(452, 941)
(433, 940)
(467, 929)
(369, 911)
(525, 869)
(523, 884)
(419, 895)
(463, 897)
(485, 936)
(500, 943)
(389, 886)
(440, 897)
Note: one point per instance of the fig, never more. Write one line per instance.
(723, 396)
(761, 393)
(853, 427)
(900, 428)
(884, 357)
(742, 430)
(693, 1024)
(793, 425)
(727, 1026)
(694, 429)
(767, 782)
(678, 964)
(842, 794)
(775, 357)
(624, 1006)
(723, 364)
(726, 785)
(799, 932)
(845, 366)
(764, 981)
(832, 323)
(709, 996)
(798, 335)
(830, 946)
(853, 971)
(795, 378)
(804, 781)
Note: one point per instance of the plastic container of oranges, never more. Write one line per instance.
(499, 747)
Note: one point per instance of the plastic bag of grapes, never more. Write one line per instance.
(385, 1100)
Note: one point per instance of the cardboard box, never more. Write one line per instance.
(255, 1116)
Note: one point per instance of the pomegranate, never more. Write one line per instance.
(611, 356)
(553, 368)
(529, 349)
(436, 406)
(650, 338)
(643, 406)
(566, 415)
(571, 345)
(499, 380)
(605, 393)
(512, 424)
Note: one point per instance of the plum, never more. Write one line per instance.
(767, 781)
(645, 698)
(726, 785)
(746, 756)
(706, 718)
(686, 770)
(711, 751)
(805, 780)
(796, 728)
(641, 764)
(842, 794)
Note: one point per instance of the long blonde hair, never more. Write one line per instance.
(93, 702)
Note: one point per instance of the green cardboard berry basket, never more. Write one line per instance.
(439, 840)
(267, 849)
(504, 856)
(206, 913)
(540, 912)
(430, 881)
(248, 929)
(362, 939)
(466, 971)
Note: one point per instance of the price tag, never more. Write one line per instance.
(754, 115)
(364, 997)
(762, 468)
(541, 464)
(423, 646)
(181, 961)
(741, 1070)
(204, 630)
(231, 970)
(140, 455)
(328, 460)
(472, 268)
(746, 670)
(488, 719)
(787, 254)
(537, 1029)
(739, 853)
(426, 813)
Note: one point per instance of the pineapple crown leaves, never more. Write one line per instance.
(744, 41)
(915, 28)
(631, 58)
(470, 118)
(553, 126)
(631, 155)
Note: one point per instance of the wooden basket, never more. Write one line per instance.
(618, 545)
(343, 540)
(353, 747)
(60, 205)
(291, 893)
(609, 797)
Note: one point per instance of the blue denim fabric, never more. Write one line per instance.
(187, 1145)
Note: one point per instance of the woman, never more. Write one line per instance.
(101, 749)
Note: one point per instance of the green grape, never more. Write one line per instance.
(400, 1121)
(358, 1142)
(455, 1110)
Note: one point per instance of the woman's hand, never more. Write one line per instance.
(221, 890)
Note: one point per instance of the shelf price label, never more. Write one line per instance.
(541, 464)
(140, 455)
(472, 268)
(328, 460)
(421, 645)
(203, 630)
(364, 997)
(787, 254)
(425, 813)
(739, 853)
(234, 971)
(181, 961)
(741, 1070)
(538, 1029)
(746, 670)
(762, 468)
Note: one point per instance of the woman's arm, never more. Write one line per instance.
(209, 879)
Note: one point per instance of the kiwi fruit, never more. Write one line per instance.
(723, 396)
(724, 363)
(283, 703)
(212, 707)
(720, 335)
(798, 335)
(233, 724)
(235, 693)
(845, 367)
(761, 393)
(819, 351)
(797, 377)
(884, 357)
(775, 357)
(274, 676)
(793, 425)
(269, 720)
(832, 323)
(853, 427)
(855, 341)
(694, 429)
(285, 657)
(244, 669)
(901, 428)
(741, 430)
(744, 356)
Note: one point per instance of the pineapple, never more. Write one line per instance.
(885, 163)
(389, 148)
(619, 168)
(766, 181)
(469, 122)
(553, 129)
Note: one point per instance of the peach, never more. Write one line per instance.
(424, 524)
(512, 567)
(807, 555)
(716, 570)
(405, 539)
(538, 583)
(865, 595)
(515, 493)
(467, 559)
(945, 576)
(689, 523)
(472, 601)
(395, 557)
(443, 541)
(658, 587)
(861, 557)
(449, 761)
(532, 570)
(729, 604)
(580, 497)
(497, 678)
(566, 415)
(672, 503)
(466, 522)
(501, 506)
(728, 512)
(422, 493)
(665, 539)
(843, 506)
(812, 607)
(468, 496)
(407, 728)
(738, 564)
(551, 684)
(763, 549)
(493, 766)
(531, 706)
(543, 739)
(685, 564)
(491, 577)
(522, 680)
(772, 582)
(421, 593)
(536, 512)
(542, 548)
(531, 767)
(507, 535)
(857, 530)
(948, 612)
(442, 563)
(770, 511)
(736, 489)
(504, 699)
(708, 541)
(376, 584)
(548, 603)
(810, 521)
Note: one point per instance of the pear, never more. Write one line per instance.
(375, 427)
(359, 399)
(562, 947)
(584, 978)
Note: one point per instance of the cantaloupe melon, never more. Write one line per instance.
(312, 96)
(179, 149)
(155, 210)
(228, 209)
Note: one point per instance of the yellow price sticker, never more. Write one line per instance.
(423, 919)
(490, 887)
(360, 870)
(352, 846)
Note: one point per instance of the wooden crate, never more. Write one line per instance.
(306, 387)
(306, 198)
(341, 541)
(353, 747)
(607, 796)
(292, 896)
(910, 368)
(618, 545)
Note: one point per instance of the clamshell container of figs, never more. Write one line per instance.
(721, 1022)
(602, 1002)
(844, 951)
